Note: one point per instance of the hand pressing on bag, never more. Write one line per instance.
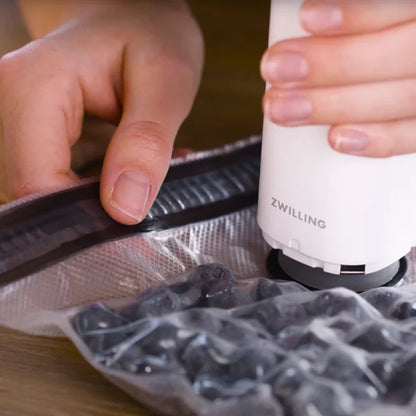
(135, 63)
(356, 72)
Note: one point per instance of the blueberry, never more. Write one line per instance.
(206, 355)
(216, 283)
(152, 349)
(382, 366)
(266, 289)
(401, 386)
(229, 300)
(345, 365)
(342, 326)
(322, 399)
(333, 302)
(256, 402)
(165, 340)
(212, 278)
(308, 343)
(239, 332)
(377, 337)
(213, 387)
(201, 319)
(310, 346)
(125, 359)
(289, 337)
(361, 392)
(301, 339)
(107, 345)
(96, 317)
(100, 328)
(189, 294)
(154, 302)
(254, 362)
(287, 378)
(404, 310)
(102, 342)
(265, 315)
(383, 299)
(134, 361)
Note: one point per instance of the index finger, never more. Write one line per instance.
(40, 117)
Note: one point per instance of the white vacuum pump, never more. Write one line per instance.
(336, 220)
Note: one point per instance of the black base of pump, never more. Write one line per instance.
(282, 267)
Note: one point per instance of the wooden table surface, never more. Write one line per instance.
(48, 377)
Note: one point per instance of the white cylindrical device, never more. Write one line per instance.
(340, 213)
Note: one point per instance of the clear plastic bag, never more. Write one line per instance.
(246, 346)
(209, 343)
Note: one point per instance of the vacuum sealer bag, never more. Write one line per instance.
(177, 310)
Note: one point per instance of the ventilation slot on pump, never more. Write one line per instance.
(354, 269)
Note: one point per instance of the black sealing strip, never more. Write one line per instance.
(199, 166)
(116, 231)
(47, 203)
(88, 191)
(94, 226)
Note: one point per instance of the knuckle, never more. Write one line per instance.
(168, 62)
(151, 138)
(17, 60)
(15, 68)
(10, 65)
(39, 58)
(19, 190)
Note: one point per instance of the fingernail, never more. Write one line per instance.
(130, 194)
(284, 67)
(292, 109)
(321, 18)
(350, 141)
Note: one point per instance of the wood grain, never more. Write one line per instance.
(48, 377)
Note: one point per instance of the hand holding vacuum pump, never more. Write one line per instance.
(339, 219)
(355, 72)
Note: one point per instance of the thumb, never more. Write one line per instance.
(158, 92)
